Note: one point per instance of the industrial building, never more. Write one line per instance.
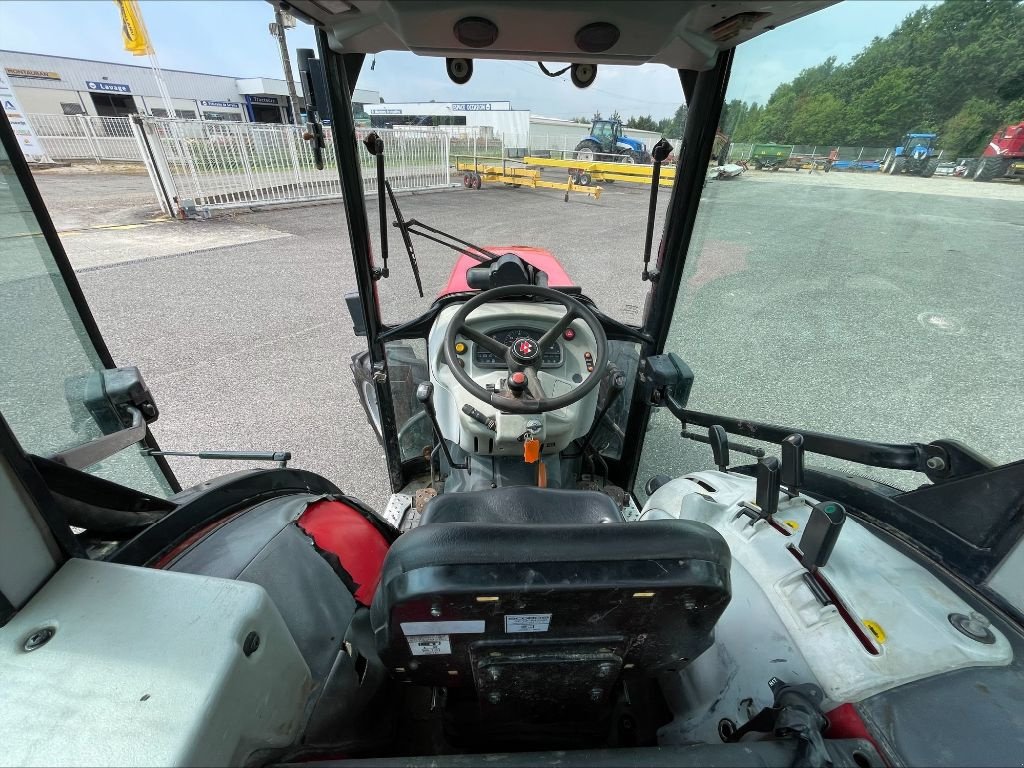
(518, 128)
(57, 85)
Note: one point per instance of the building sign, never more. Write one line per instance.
(262, 100)
(31, 74)
(231, 104)
(97, 85)
(27, 140)
(437, 108)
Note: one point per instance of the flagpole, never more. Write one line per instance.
(138, 43)
(161, 86)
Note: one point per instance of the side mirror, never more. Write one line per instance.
(109, 394)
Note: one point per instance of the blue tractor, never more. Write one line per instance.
(917, 156)
(606, 138)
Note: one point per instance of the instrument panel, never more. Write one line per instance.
(484, 358)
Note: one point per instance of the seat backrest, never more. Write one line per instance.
(562, 611)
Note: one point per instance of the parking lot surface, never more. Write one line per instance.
(883, 308)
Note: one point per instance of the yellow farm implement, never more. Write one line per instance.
(585, 173)
(476, 172)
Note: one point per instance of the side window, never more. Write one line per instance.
(48, 361)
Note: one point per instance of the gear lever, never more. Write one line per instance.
(425, 394)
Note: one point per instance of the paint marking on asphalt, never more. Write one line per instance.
(84, 230)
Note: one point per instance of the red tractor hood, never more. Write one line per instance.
(537, 257)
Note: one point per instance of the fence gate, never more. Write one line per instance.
(86, 137)
(202, 166)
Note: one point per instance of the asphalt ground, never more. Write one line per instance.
(882, 308)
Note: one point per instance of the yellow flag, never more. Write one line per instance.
(133, 28)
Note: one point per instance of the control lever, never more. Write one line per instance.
(766, 502)
(425, 394)
(477, 416)
(719, 446)
(820, 535)
(768, 482)
(793, 464)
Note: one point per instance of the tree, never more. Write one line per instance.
(616, 117)
(597, 116)
(642, 123)
(672, 127)
(968, 131)
(954, 67)
(580, 120)
(819, 119)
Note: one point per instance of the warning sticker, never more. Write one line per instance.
(430, 645)
(528, 622)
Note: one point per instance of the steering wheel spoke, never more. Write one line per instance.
(491, 345)
(533, 383)
(557, 329)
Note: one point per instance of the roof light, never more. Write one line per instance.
(597, 37)
(476, 32)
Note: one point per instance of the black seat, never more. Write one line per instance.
(522, 504)
(543, 620)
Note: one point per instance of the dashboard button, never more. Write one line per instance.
(569, 334)
(460, 347)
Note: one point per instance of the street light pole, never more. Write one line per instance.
(277, 30)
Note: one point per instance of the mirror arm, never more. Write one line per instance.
(87, 454)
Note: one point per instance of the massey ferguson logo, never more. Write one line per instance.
(525, 347)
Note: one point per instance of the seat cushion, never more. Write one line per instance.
(522, 504)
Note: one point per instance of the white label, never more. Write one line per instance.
(430, 645)
(442, 627)
(528, 622)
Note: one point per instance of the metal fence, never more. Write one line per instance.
(86, 137)
(214, 165)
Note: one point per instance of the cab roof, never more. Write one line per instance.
(686, 34)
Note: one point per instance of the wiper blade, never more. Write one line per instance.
(404, 229)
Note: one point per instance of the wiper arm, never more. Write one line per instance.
(404, 229)
(465, 247)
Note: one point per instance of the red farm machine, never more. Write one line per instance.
(1004, 155)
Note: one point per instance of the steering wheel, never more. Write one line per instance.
(525, 354)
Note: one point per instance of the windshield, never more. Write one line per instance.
(508, 159)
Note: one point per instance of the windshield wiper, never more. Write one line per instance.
(375, 146)
(414, 226)
(404, 229)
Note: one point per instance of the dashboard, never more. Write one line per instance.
(565, 364)
(483, 358)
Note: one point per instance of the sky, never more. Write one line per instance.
(230, 37)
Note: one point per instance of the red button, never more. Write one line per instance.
(518, 378)
(569, 334)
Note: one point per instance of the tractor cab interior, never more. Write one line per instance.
(526, 595)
